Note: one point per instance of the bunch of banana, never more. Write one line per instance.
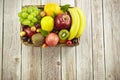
(78, 23)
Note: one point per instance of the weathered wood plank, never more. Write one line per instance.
(68, 56)
(31, 63)
(84, 50)
(68, 63)
(1, 35)
(12, 46)
(112, 38)
(98, 44)
(31, 56)
(51, 63)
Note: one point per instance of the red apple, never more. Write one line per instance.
(63, 21)
(29, 32)
(52, 39)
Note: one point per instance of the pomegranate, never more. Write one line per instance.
(52, 39)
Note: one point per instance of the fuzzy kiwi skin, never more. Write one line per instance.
(37, 39)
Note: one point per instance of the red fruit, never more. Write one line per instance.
(52, 39)
(29, 32)
(69, 43)
(62, 21)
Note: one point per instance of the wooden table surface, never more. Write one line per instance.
(96, 58)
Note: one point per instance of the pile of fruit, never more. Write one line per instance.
(51, 25)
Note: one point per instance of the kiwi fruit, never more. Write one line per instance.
(63, 34)
(37, 39)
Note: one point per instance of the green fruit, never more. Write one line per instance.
(30, 17)
(64, 34)
(29, 9)
(37, 39)
(20, 14)
(34, 20)
(21, 19)
(34, 14)
(34, 8)
(24, 15)
(26, 22)
(24, 9)
(31, 24)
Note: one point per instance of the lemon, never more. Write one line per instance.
(47, 23)
(52, 9)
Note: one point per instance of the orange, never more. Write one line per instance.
(52, 9)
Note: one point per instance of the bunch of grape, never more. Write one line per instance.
(29, 15)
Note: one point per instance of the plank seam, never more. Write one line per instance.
(103, 37)
(2, 41)
(92, 41)
(61, 60)
(41, 63)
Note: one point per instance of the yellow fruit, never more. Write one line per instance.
(38, 30)
(52, 9)
(75, 23)
(22, 33)
(47, 23)
(33, 28)
(82, 22)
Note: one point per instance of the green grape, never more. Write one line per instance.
(39, 10)
(30, 17)
(29, 10)
(34, 20)
(21, 19)
(34, 14)
(20, 14)
(24, 9)
(31, 24)
(38, 17)
(26, 22)
(35, 8)
(24, 15)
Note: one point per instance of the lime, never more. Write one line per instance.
(47, 23)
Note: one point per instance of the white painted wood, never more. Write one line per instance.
(98, 44)
(112, 38)
(12, 45)
(84, 50)
(68, 55)
(1, 27)
(31, 56)
(51, 63)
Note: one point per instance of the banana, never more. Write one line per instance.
(82, 22)
(75, 23)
